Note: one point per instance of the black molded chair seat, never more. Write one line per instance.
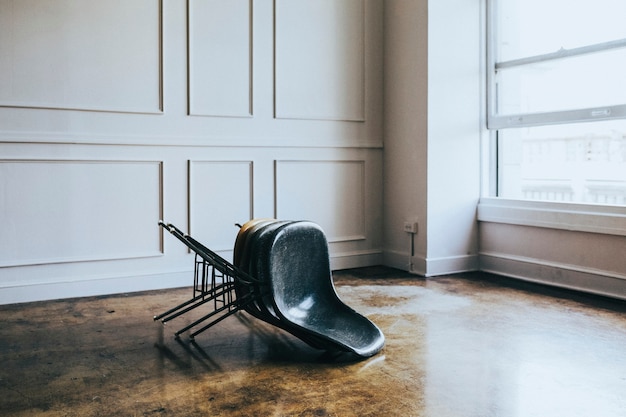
(242, 237)
(256, 239)
(245, 243)
(241, 259)
(295, 262)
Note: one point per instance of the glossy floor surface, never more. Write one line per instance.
(463, 345)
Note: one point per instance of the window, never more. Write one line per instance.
(557, 99)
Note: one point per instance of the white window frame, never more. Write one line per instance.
(496, 121)
(582, 217)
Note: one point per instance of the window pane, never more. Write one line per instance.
(583, 163)
(534, 27)
(577, 82)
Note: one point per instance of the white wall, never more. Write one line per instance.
(406, 131)
(432, 168)
(432, 133)
(454, 132)
(112, 118)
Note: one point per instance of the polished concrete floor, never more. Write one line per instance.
(462, 345)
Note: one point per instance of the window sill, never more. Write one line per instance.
(610, 220)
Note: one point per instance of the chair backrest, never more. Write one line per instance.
(298, 270)
(248, 261)
(241, 259)
(298, 263)
(254, 261)
(242, 238)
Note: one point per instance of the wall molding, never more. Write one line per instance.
(55, 224)
(221, 72)
(224, 193)
(78, 259)
(184, 140)
(284, 107)
(333, 236)
(73, 79)
(351, 238)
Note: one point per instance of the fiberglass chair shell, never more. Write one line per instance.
(297, 268)
(255, 267)
(242, 237)
(241, 258)
(246, 241)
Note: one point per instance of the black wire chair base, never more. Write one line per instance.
(218, 286)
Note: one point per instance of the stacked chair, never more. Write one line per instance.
(280, 274)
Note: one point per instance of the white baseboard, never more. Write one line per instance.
(43, 291)
(399, 260)
(533, 270)
(86, 287)
(355, 259)
(430, 267)
(451, 265)
(572, 277)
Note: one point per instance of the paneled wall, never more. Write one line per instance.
(205, 113)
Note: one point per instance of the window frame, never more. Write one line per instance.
(496, 121)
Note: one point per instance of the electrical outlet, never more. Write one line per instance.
(410, 227)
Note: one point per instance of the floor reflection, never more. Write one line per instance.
(464, 345)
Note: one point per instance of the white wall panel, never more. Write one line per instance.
(81, 191)
(67, 211)
(81, 54)
(220, 57)
(220, 195)
(330, 193)
(320, 55)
